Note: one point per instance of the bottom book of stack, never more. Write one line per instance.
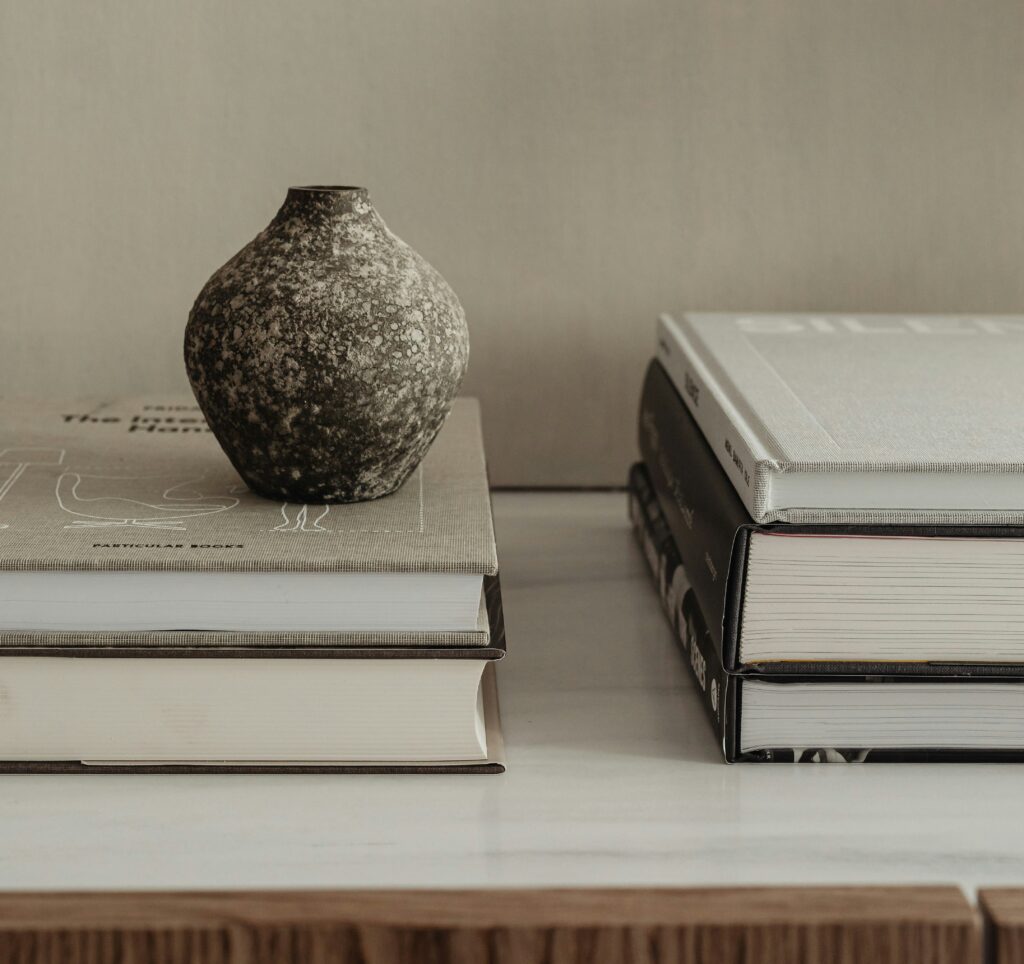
(920, 713)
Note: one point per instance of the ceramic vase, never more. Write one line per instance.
(325, 354)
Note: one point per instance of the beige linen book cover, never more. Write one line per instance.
(141, 484)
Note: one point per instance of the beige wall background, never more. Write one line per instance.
(571, 166)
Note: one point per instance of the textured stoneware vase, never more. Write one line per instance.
(325, 354)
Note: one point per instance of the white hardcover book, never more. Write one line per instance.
(236, 711)
(913, 419)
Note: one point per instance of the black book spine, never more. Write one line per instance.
(706, 517)
(717, 689)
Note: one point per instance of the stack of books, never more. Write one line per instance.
(155, 615)
(833, 508)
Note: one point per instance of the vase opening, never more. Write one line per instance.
(327, 188)
(321, 202)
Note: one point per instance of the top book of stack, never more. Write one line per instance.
(124, 517)
(836, 419)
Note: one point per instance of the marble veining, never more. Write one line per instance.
(614, 777)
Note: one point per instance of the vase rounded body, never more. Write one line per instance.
(325, 354)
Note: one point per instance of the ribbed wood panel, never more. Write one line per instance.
(1002, 909)
(873, 925)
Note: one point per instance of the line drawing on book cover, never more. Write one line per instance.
(303, 521)
(147, 502)
(300, 517)
(19, 459)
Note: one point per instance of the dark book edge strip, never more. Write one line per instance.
(74, 766)
(715, 688)
(702, 510)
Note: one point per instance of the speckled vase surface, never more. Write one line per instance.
(325, 354)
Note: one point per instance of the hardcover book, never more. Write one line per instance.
(801, 598)
(858, 418)
(122, 522)
(151, 714)
(847, 717)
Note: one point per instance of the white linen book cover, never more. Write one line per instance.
(827, 418)
(121, 520)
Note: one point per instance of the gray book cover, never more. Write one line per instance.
(859, 418)
(142, 484)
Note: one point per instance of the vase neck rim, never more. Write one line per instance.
(327, 189)
(327, 198)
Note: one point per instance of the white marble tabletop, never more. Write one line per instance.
(614, 777)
